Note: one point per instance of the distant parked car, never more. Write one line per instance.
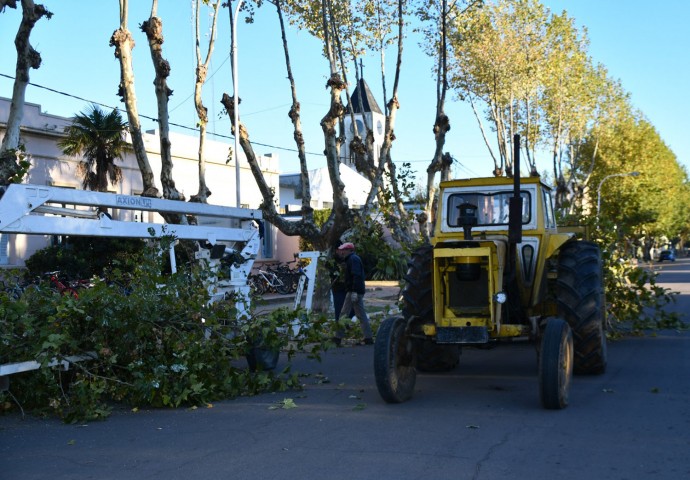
(667, 255)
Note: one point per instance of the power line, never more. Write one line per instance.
(194, 129)
(154, 119)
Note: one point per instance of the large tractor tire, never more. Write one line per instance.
(582, 303)
(418, 302)
(394, 361)
(555, 364)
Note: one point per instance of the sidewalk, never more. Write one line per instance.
(380, 295)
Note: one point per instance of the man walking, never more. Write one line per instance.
(354, 284)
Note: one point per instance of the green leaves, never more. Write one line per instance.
(285, 404)
(633, 296)
(159, 343)
(100, 137)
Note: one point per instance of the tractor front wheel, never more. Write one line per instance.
(555, 364)
(394, 361)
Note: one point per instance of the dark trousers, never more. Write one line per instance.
(338, 301)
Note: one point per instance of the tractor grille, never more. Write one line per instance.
(469, 297)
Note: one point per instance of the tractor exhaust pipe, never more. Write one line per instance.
(514, 310)
(515, 205)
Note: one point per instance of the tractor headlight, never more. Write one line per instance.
(500, 298)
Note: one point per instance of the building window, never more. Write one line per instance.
(360, 127)
(4, 259)
(267, 243)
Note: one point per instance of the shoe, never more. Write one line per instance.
(368, 341)
(336, 340)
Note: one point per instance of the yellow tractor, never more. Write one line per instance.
(497, 269)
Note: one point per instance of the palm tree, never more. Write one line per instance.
(99, 137)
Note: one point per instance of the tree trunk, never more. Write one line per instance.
(362, 150)
(340, 219)
(484, 136)
(124, 43)
(202, 112)
(396, 222)
(294, 114)
(27, 58)
(153, 28)
(401, 228)
(442, 122)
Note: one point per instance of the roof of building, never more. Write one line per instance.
(367, 103)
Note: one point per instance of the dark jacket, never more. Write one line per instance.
(338, 283)
(354, 274)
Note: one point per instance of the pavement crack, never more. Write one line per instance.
(488, 455)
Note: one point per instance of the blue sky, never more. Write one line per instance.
(645, 45)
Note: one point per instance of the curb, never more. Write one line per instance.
(371, 287)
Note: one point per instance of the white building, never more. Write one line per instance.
(356, 189)
(40, 133)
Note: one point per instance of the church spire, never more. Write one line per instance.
(367, 103)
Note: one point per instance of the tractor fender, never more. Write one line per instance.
(556, 241)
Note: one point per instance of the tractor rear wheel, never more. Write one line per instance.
(582, 303)
(394, 361)
(555, 364)
(418, 302)
(416, 294)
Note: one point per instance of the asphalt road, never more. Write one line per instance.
(482, 421)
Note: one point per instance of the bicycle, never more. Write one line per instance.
(264, 281)
(289, 276)
(58, 285)
(13, 291)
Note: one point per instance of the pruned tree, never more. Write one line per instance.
(385, 13)
(201, 111)
(323, 19)
(296, 119)
(436, 18)
(320, 17)
(153, 28)
(348, 29)
(305, 227)
(27, 58)
(124, 43)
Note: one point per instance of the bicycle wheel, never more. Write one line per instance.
(288, 278)
(256, 285)
(281, 286)
(294, 281)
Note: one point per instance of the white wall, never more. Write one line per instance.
(40, 133)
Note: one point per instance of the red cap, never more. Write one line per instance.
(347, 246)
